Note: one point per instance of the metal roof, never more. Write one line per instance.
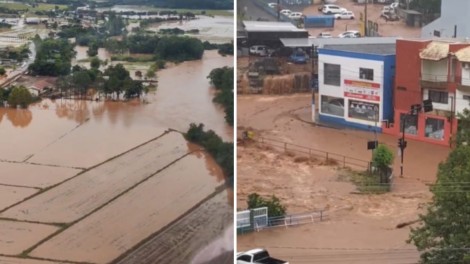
(463, 55)
(378, 49)
(435, 51)
(263, 26)
(321, 42)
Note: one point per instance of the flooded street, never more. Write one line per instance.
(364, 222)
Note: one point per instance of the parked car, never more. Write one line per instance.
(272, 5)
(333, 107)
(332, 9)
(389, 16)
(296, 15)
(259, 50)
(257, 256)
(298, 57)
(325, 35)
(345, 15)
(285, 12)
(350, 34)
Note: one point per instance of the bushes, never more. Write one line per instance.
(222, 79)
(221, 151)
(224, 49)
(179, 48)
(275, 208)
(20, 96)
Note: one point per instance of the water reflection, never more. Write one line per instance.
(18, 117)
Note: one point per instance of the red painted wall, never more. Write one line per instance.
(408, 72)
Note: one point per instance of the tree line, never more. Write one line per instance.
(114, 81)
(221, 151)
(222, 80)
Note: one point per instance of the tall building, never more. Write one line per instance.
(453, 22)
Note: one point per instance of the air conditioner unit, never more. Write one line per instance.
(466, 66)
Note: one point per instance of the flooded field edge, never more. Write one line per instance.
(80, 173)
(84, 246)
(124, 258)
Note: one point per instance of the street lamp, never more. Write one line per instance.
(415, 110)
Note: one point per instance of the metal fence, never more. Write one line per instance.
(296, 219)
(328, 157)
(257, 220)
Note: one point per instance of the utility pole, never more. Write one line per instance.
(278, 10)
(365, 19)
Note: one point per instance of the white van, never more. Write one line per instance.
(259, 50)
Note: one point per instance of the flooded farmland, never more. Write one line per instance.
(77, 166)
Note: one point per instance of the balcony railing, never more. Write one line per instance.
(434, 81)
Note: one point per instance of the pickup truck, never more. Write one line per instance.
(257, 256)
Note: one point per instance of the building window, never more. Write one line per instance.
(439, 97)
(363, 110)
(332, 105)
(332, 74)
(466, 97)
(366, 74)
(434, 128)
(411, 125)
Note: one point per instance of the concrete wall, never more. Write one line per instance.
(453, 13)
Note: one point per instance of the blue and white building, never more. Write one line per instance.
(356, 84)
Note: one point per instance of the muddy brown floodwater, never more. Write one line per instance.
(88, 163)
(360, 228)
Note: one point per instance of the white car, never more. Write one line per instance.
(285, 12)
(272, 5)
(345, 15)
(350, 34)
(259, 50)
(332, 9)
(296, 15)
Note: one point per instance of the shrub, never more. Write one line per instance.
(275, 208)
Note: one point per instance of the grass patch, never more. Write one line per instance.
(368, 183)
(47, 7)
(134, 58)
(15, 6)
(198, 11)
(24, 7)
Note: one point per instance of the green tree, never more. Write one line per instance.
(463, 128)
(382, 157)
(20, 96)
(95, 63)
(275, 208)
(2, 71)
(445, 231)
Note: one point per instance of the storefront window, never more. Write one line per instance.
(363, 110)
(332, 105)
(434, 128)
(411, 125)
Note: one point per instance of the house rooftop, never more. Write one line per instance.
(263, 26)
(377, 49)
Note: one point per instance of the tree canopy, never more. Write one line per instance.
(444, 236)
(53, 57)
(222, 80)
(20, 96)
